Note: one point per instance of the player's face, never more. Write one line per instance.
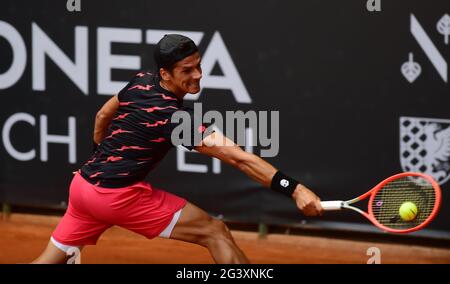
(186, 74)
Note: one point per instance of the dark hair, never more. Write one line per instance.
(171, 49)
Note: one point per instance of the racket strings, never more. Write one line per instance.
(391, 196)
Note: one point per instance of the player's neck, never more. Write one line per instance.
(172, 89)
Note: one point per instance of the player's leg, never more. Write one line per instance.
(196, 226)
(77, 227)
(56, 253)
(153, 212)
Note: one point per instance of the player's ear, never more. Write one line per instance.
(165, 75)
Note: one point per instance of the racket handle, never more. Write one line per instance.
(332, 205)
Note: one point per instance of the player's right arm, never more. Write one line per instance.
(218, 146)
(104, 117)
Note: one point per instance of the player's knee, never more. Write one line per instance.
(216, 231)
(219, 227)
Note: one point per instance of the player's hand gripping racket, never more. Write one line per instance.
(402, 203)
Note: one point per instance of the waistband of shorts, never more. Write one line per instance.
(83, 176)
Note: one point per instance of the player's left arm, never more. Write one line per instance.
(104, 117)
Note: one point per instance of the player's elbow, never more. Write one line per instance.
(224, 150)
(232, 155)
(101, 115)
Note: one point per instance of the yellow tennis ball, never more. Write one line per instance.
(408, 211)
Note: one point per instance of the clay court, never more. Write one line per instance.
(24, 236)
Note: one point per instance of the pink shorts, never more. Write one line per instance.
(92, 209)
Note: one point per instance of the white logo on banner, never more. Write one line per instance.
(424, 41)
(425, 146)
(76, 65)
(443, 27)
(410, 69)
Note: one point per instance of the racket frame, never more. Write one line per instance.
(340, 204)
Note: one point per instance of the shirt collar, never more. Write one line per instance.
(166, 92)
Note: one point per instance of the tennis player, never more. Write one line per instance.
(132, 135)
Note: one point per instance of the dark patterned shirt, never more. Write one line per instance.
(139, 135)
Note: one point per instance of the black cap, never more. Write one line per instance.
(173, 48)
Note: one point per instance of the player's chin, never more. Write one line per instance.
(194, 88)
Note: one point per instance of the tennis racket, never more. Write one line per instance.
(386, 198)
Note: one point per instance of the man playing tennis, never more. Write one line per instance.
(133, 133)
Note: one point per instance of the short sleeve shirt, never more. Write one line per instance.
(139, 135)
